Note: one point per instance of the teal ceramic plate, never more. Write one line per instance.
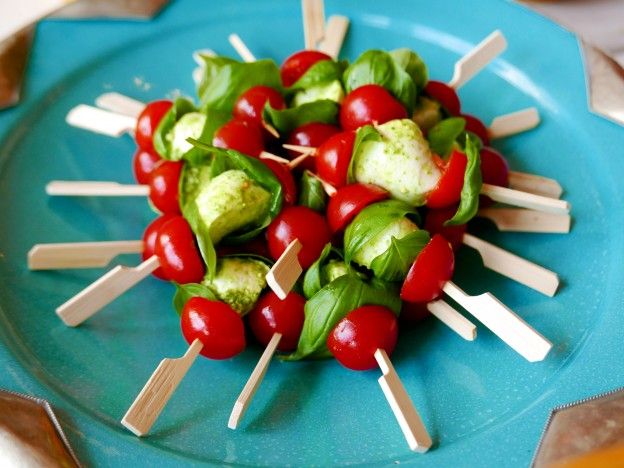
(482, 402)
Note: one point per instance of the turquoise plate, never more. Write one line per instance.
(482, 402)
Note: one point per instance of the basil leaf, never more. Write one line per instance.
(411, 62)
(394, 263)
(312, 282)
(330, 305)
(224, 80)
(180, 107)
(469, 202)
(311, 193)
(322, 72)
(286, 120)
(371, 221)
(365, 133)
(443, 135)
(380, 68)
(184, 292)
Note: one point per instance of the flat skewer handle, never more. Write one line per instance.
(408, 418)
(453, 319)
(95, 189)
(120, 104)
(313, 22)
(79, 254)
(525, 200)
(535, 184)
(100, 121)
(521, 220)
(239, 46)
(158, 390)
(103, 291)
(284, 273)
(513, 123)
(503, 322)
(255, 379)
(335, 33)
(475, 60)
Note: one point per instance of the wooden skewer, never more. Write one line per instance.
(79, 254)
(120, 104)
(515, 122)
(475, 60)
(197, 56)
(103, 291)
(335, 33)
(453, 319)
(330, 190)
(514, 267)
(158, 390)
(535, 184)
(240, 47)
(299, 148)
(519, 220)
(284, 274)
(273, 157)
(255, 379)
(313, 22)
(100, 121)
(299, 159)
(408, 418)
(95, 189)
(270, 128)
(503, 322)
(525, 200)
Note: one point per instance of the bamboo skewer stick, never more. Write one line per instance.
(475, 60)
(95, 189)
(522, 220)
(284, 273)
(158, 390)
(330, 190)
(535, 184)
(100, 121)
(525, 200)
(255, 379)
(513, 123)
(453, 319)
(240, 47)
(79, 254)
(313, 22)
(335, 33)
(120, 104)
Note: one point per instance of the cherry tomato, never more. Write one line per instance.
(256, 246)
(274, 315)
(333, 158)
(164, 183)
(303, 223)
(432, 268)
(445, 95)
(143, 164)
(494, 167)
(368, 104)
(177, 252)
(298, 63)
(363, 331)
(434, 224)
(349, 201)
(149, 241)
(147, 123)
(313, 134)
(240, 135)
(475, 126)
(219, 328)
(250, 104)
(285, 177)
(448, 190)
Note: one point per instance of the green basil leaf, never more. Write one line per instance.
(224, 80)
(180, 107)
(330, 305)
(312, 282)
(286, 120)
(365, 133)
(371, 221)
(443, 135)
(394, 263)
(469, 202)
(311, 193)
(411, 62)
(380, 68)
(184, 292)
(322, 72)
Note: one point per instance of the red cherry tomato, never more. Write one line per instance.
(333, 158)
(475, 126)
(149, 241)
(240, 135)
(219, 328)
(147, 123)
(432, 268)
(286, 178)
(303, 223)
(494, 167)
(434, 224)
(313, 134)
(445, 95)
(368, 104)
(273, 315)
(164, 183)
(298, 63)
(448, 190)
(250, 104)
(349, 201)
(177, 252)
(363, 331)
(143, 164)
